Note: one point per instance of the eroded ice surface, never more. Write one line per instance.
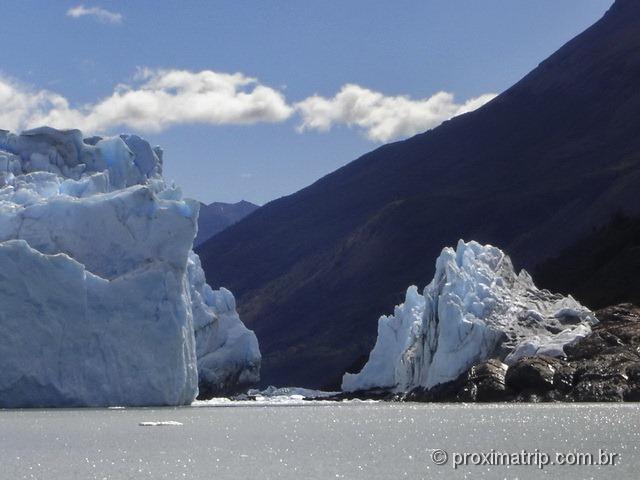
(99, 287)
(476, 307)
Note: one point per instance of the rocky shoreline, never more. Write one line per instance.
(602, 367)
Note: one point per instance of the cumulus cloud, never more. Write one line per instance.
(157, 100)
(100, 14)
(382, 118)
(19, 106)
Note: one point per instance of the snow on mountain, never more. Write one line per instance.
(99, 287)
(476, 307)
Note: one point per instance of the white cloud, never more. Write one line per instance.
(158, 100)
(382, 118)
(102, 15)
(19, 106)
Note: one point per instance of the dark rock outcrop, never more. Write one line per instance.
(605, 366)
(484, 382)
(533, 373)
(602, 367)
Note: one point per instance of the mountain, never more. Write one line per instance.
(601, 269)
(532, 172)
(217, 216)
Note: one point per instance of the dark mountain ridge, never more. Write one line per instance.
(217, 216)
(531, 172)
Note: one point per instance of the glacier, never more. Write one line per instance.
(102, 299)
(475, 308)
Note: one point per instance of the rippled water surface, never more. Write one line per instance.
(317, 441)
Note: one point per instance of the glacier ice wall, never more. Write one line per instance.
(476, 307)
(100, 291)
(228, 353)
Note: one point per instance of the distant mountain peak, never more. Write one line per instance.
(217, 216)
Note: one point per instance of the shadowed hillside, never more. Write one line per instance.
(532, 172)
(601, 269)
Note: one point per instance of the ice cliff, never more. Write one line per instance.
(476, 307)
(102, 300)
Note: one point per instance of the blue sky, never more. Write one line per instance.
(318, 84)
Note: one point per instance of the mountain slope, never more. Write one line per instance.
(530, 172)
(217, 216)
(600, 269)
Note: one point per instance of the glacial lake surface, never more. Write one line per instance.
(351, 440)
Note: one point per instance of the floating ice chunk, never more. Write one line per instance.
(298, 392)
(168, 423)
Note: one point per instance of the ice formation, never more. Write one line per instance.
(272, 391)
(164, 423)
(228, 354)
(100, 291)
(271, 396)
(476, 307)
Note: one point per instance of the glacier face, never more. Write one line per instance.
(100, 291)
(228, 353)
(476, 307)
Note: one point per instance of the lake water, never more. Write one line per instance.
(321, 441)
